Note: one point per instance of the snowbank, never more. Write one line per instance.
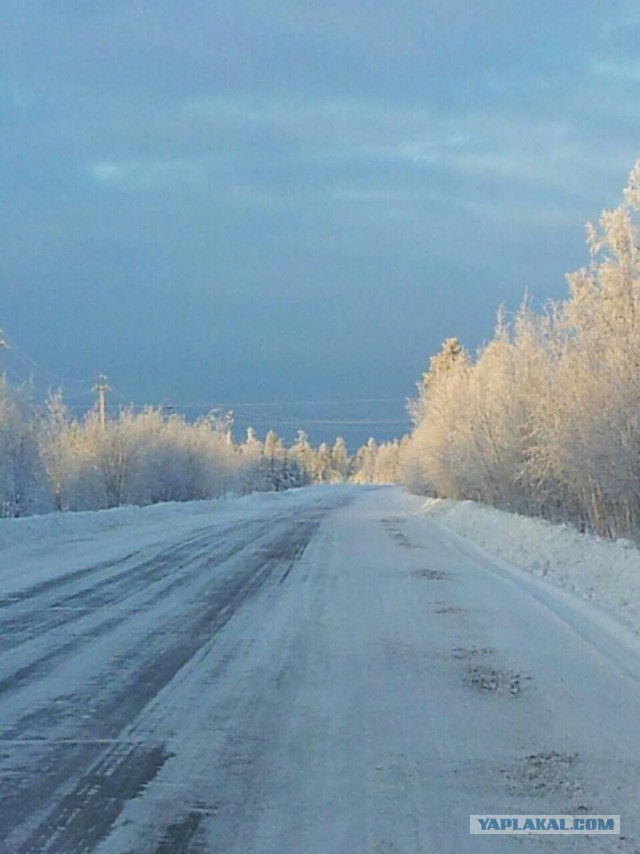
(605, 571)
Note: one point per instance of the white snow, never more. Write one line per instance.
(604, 571)
(333, 669)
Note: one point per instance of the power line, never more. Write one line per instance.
(259, 413)
(36, 368)
(284, 403)
(335, 401)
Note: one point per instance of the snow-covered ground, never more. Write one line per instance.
(605, 571)
(329, 671)
(36, 548)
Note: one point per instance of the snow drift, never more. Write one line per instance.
(605, 571)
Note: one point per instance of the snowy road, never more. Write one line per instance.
(323, 673)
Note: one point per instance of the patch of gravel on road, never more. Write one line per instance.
(496, 680)
(547, 773)
(391, 526)
(429, 574)
(462, 653)
(181, 836)
(402, 540)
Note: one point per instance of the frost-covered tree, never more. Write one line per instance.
(138, 458)
(56, 443)
(250, 455)
(340, 460)
(364, 462)
(592, 444)
(273, 462)
(24, 485)
(387, 461)
(323, 469)
(302, 456)
(546, 419)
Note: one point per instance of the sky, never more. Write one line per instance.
(255, 203)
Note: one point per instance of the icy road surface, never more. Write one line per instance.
(321, 673)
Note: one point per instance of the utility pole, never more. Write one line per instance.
(102, 388)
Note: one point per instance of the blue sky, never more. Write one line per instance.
(257, 201)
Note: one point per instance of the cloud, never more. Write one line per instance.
(612, 71)
(264, 168)
(145, 175)
(106, 173)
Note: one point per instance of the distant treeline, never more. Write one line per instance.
(50, 461)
